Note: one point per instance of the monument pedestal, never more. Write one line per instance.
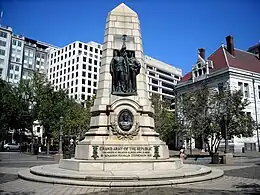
(121, 165)
(113, 149)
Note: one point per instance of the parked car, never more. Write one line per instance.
(9, 147)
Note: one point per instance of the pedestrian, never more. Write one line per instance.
(182, 154)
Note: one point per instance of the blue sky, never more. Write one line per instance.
(172, 30)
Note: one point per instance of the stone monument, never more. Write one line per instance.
(121, 147)
(122, 126)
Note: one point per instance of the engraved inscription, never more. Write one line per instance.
(125, 151)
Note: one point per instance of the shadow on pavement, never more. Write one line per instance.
(164, 191)
(16, 193)
(249, 188)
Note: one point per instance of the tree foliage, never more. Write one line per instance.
(207, 113)
(36, 100)
(164, 118)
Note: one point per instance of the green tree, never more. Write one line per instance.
(164, 119)
(201, 113)
(8, 108)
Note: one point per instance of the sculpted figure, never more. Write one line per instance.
(123, 69)
(134, 70)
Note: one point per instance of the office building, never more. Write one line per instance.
(75, 67)
(21, 56)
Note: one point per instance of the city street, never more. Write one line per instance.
(241, 178)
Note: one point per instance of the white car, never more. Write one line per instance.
(9, 147)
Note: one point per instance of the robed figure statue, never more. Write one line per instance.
(124, 68)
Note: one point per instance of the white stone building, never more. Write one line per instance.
(75, 67)
(228, 66)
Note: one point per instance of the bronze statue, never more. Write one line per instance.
(134, 70)
(124, 69)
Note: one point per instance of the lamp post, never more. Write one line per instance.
(226, 133)
(60, 135)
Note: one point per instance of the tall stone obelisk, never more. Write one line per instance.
(122, 126)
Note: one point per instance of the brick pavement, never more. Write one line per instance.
(226, 185)
(238, 179)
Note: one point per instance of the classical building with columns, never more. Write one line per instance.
(228, 66)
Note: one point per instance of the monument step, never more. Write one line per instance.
(54, 174)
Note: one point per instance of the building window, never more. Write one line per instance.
(77, 67)
(2, 43)
(71, 90)
(89, 90)
(16, 68)
(90, 68)
(154, 81)
(90, 60)
(89, 75)
(95, 69)
(76, 89)
(83, 89)
(96, 50)
(75, 96)
(95, 83)
(89, 82)
(155, 88)
(2, 61)
(16, 77)
(83, 73)
(84, 66)
(83, 81)
(95, 76)
(246, 89)
(100, 52)
(38, 129)
(3, 34)
(2, 52)
(80, 45)
(240, 86)
(82, 96)
(95, 62)
(84, 59)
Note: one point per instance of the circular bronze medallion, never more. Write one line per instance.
(125, 120)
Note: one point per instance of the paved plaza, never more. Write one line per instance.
(241, 178)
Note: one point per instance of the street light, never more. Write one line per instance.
(226, 133)
(61, 133)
